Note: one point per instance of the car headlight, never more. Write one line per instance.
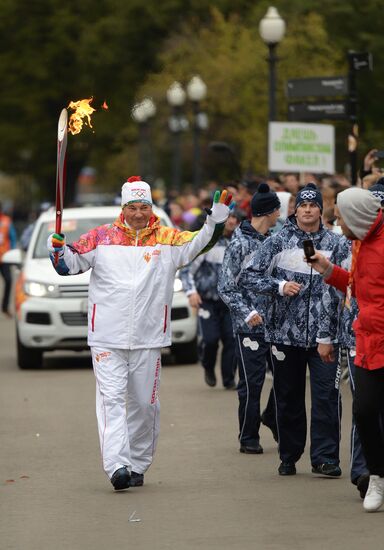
(177, 285)
(39, 290)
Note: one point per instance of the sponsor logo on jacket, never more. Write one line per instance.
(149, 255)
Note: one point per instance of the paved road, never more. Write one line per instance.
(200, 492)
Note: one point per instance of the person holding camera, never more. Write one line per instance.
(370, 173)
(294, 328)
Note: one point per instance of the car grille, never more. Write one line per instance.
(179, 313)
(73, 291)
(38, 318)
(74, 319)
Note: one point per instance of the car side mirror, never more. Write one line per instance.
(13, 257)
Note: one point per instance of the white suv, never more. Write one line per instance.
(51, 310)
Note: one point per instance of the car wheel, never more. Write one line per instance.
(185, 354)
(28, 358)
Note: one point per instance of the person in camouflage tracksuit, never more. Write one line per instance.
(199, 280)
(294, 328)
(247, 318)
(342, 256)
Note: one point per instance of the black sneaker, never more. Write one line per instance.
(362, 484)
(121, 478)
(252, 449)
(271, 425)
(327, 469)
(231, 386)
(210, 378)
(287, 469)
(137, 480)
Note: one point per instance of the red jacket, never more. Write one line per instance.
(368, 287)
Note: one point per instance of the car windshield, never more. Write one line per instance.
(73, 229)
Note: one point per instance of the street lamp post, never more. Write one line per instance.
(177, 123)
(228, 151)
(272, 30)
(197, 90)
(141, 113)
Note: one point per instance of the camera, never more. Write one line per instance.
(309, 249)
(379, 154)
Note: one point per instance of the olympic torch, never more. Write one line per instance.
(61, 169)
(82, 115)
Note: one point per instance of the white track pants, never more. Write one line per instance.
(127, 406)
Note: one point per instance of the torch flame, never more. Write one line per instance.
(83, 110)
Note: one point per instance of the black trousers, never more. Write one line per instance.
(358, 462)
(289, 379)
(368, 410)
(5, 271)
(252, 354)
(214, 325)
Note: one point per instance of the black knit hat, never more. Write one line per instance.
(309, 193)
(378, 190)
(264, 201)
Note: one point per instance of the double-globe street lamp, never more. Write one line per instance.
(272, 30)
(142, 113)
(197, 91)
(178, 123)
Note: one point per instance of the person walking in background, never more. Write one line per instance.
(361, 219)
(8, 240)
(294, 328)
(286, 210)
(200, 280)
(134, 261)
(247, 312)
(246, 188)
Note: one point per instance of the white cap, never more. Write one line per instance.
(135, 190)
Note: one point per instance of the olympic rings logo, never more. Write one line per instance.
(308, 195)
(378, 194)
(138, 193)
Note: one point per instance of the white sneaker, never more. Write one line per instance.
(375, 494)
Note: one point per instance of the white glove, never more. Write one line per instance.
(56, 243)
(221, 206)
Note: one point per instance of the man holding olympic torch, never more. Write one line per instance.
(134, 261)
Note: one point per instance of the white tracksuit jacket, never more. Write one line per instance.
(129, 312)
(131, 284)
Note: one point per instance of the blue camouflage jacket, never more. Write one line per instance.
(245, 241)
(342, 256)
(202, 275)
(294, 320)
